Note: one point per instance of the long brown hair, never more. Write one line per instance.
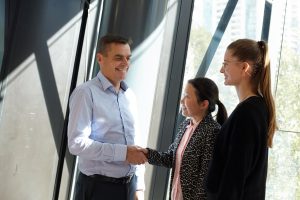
(258, 54)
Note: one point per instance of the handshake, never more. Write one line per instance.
(136, 155)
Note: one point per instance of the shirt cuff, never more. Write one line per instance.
(120, 152)
(140, 182)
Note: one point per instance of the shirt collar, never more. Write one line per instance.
(107, 84)
(206, 118)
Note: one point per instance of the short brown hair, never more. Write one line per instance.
(110, 38)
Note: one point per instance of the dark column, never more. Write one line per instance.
(132, 18)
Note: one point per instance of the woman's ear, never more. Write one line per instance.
(245, 65)
(247, 69)
(205, 104)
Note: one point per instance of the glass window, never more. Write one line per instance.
(246, 21)
(284, 160)
(284, 45)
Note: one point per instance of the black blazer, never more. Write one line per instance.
(238, 169)
(195, 159)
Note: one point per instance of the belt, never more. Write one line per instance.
(122, 180)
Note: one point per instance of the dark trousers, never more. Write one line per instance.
(93, 188)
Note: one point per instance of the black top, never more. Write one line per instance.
(195, 159)
(238, 169)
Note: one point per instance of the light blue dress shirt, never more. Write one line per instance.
(101, 125)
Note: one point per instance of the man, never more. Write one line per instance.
(102, 129)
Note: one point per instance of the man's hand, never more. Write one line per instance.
(135, 155)
(145, 151)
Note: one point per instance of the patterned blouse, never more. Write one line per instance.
(195, 159)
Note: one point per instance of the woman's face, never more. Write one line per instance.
(232, 68)
(189, 104)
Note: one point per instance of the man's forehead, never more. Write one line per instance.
(119, 49)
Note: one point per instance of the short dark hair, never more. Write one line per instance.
(111, 38)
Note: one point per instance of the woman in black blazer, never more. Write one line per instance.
(238, 169)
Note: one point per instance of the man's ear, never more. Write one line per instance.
(99, 57)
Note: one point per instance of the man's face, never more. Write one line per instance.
(115, 62)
